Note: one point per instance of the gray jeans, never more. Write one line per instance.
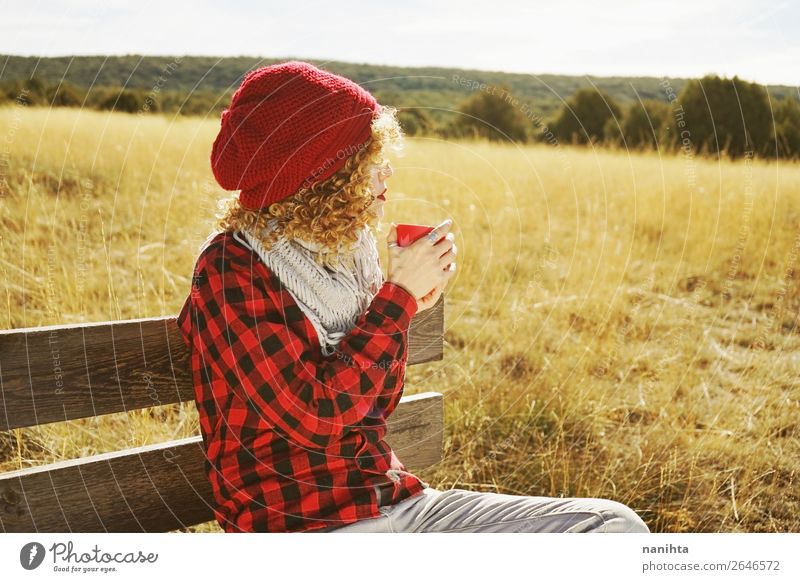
(460, 510)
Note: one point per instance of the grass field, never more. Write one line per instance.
(621, 325)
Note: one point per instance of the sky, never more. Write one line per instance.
(756, 40)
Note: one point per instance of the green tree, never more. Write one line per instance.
(415, 121)
(724, 116)
(641, 125)
(491, 116)
(787, 125)
(27, 91)
(583, 119)
(127, 100)
(64, 95)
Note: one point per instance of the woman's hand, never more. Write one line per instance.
(422, 268)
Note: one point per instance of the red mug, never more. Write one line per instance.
(409, 233)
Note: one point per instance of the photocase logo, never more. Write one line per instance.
(31, 555)
(67, 559)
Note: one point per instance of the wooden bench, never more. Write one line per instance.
(65, 372)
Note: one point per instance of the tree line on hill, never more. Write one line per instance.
(712, 115)
(709, 116)
(114, 98)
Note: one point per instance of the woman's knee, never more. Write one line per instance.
(620, 518)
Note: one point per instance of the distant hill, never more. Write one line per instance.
(436, 88)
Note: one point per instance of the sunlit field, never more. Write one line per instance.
(621, 325)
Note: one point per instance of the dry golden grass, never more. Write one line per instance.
(621, 325)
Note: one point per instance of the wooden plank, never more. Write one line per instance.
(163, 487)
(63, 372)
(426, 335)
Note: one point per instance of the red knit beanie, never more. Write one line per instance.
(289, 126)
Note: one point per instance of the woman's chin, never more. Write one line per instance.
(375, 214)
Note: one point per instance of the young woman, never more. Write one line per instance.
(299, 344)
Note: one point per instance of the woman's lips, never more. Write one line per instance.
(381, 195)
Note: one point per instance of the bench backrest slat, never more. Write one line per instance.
(58, 373)
(163, 487)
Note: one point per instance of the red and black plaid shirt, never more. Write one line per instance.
(294, 440)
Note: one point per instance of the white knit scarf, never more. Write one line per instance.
(332, 298)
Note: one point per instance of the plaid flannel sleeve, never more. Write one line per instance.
(311, 401)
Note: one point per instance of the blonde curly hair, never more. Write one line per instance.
(332, 212)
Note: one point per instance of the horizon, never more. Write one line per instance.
(374, 64)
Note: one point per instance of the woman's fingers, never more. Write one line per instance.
(447, 258)
(433, 236)
(443, 248)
